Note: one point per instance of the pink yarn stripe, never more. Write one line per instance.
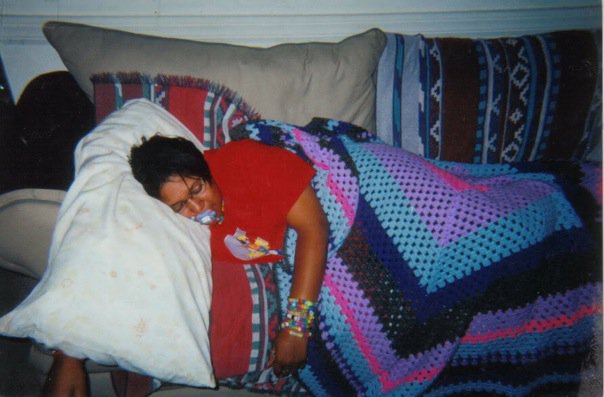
(453, 181)
(535, 326)
(341, 198)
(422, 375)
(332, 184)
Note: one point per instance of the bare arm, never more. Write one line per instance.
(307, 218)
(66, 377)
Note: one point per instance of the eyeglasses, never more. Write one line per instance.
(195, 189)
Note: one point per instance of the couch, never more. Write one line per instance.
(478, 107)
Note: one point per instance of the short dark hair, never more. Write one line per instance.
(158, 158)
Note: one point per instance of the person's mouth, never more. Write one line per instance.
(207, 217)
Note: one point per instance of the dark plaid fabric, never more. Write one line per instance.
(492, 101)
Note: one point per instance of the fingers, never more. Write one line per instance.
(288, 355)
(282, 371)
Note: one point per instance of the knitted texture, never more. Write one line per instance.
(444, 278)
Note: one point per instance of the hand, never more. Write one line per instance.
(288, 355)
(66, 378)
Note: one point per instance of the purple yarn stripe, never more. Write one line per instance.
(436, 201)
(542, 309)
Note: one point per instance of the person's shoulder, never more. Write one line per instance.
(244, 151)
(249, 150)
(247, 143)
(249, 147)
(240, 145)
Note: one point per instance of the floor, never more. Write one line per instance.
(16, 377)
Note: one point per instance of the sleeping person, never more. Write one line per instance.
(248, 193)
(423, 264)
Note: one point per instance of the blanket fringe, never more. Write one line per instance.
(179, 81)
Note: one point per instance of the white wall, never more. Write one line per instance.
(26, 54)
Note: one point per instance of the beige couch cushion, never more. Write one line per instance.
(288, 82)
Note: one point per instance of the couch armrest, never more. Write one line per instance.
(27, 220)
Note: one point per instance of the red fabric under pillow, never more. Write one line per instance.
(230, 320)
(208, 109)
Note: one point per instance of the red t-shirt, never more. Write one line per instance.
(259, 185)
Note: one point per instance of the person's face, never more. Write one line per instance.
(190, 196)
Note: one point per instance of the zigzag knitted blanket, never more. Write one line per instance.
(445, 278)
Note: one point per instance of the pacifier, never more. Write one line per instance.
(207, 217)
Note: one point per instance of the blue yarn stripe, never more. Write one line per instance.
(313, 383)
(497, 67)
(147, 87)
(424, 73)
(533, 77)
(119, 97)
(592, 131)
(501, 389)
(483, 91)
(542, 131)
(441, 101)
(397, 89)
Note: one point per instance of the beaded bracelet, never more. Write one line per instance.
(300, 317)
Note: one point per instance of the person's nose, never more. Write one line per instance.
(194, 205)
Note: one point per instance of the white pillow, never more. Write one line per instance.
(128, 282)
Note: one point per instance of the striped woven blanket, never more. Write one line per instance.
(498, 100)
(446, 278)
